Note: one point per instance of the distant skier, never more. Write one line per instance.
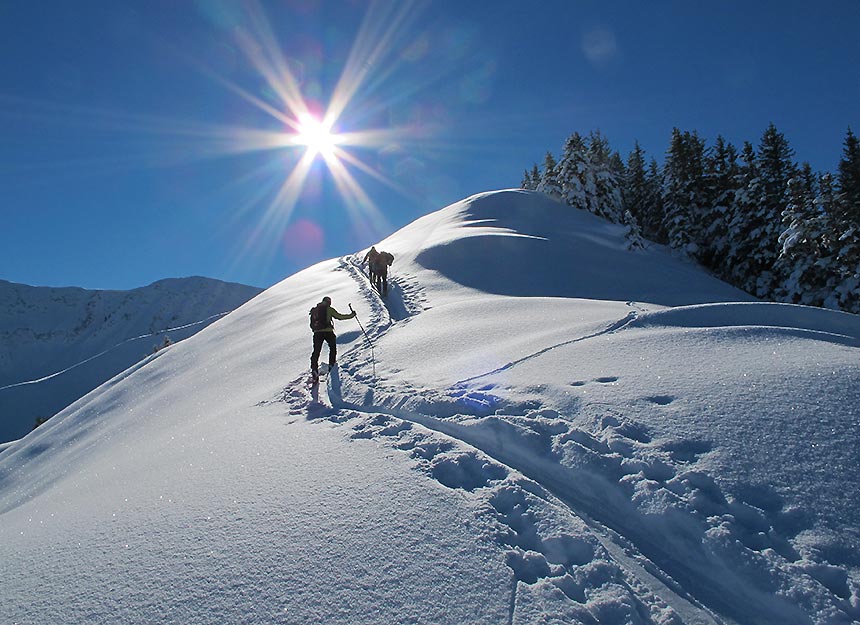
(321, 323)
(379, 262)
(380, 267)
(371, 258)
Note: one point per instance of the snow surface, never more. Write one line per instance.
(548, 428)
(58, 344)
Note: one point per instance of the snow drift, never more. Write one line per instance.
(539, 427)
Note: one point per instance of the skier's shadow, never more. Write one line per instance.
(345, 338)
(334, 391)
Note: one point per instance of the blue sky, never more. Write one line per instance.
(144, 140)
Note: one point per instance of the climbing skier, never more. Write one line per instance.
(370, 257)
(321, 323)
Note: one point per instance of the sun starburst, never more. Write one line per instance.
(368, 64)
(316, 136)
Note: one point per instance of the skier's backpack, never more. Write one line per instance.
(318, 317)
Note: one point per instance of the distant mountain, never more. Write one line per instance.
(46, 330)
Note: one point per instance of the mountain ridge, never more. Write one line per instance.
(46, 330)
(476, 457)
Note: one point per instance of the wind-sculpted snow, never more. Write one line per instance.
(486, 453)
(537, 247)
(825, 325)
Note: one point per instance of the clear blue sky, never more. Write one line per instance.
(151, 139)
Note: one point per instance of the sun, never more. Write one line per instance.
(316, 136)
(331, 126)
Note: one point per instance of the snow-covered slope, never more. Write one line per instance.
(46, 330)
(539, 427)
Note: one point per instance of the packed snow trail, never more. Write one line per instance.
(509, 442)
(473, 442)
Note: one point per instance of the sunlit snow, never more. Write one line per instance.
(549, 428)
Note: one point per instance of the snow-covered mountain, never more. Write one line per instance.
(539, 426)
(90, 336)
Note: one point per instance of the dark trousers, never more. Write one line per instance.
(319, 339)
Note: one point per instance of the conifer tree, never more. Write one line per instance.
(808, 179)
(535, 180)
(804, 258)
(641, 194)
(720, 186)
(603, 184)
(573, 171)
(736, 266)
(846, 291)
(652, 224)
(549, 180)
(619, 170)
(683, 192)
(757, 214)
(635, 189)
(527, 180)
(849, 179)
(845, 210)
(776, 167)
(632, 232)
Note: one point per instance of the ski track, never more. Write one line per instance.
(560, 500)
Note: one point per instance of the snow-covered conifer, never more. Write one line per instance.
(549, 178)
(683, 192)
(572, 172)
(720, 185)
(635, 189)
(535, 180)
(527, 181)
(603, 184)
(736, 265)
(845, 232)
(776, 167)
(849, 179)
(804, 258)
(633, 232)
(757, 214)
(652, 223)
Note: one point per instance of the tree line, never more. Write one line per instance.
(755, 217)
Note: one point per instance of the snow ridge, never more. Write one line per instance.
(598, 436)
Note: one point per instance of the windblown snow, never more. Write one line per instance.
(539, 426)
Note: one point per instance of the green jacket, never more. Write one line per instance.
(331, 313)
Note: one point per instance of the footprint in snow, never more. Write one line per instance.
(660, 400)
(610, 379)
(686, 450)
(607, 379)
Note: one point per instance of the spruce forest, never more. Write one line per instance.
(755, 218)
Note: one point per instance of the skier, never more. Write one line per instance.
(371, 256)
(323, 327)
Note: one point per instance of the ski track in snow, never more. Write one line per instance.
(562, 501)
(613, 327)
(112, 348)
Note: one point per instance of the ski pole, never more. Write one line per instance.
(369, 342)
